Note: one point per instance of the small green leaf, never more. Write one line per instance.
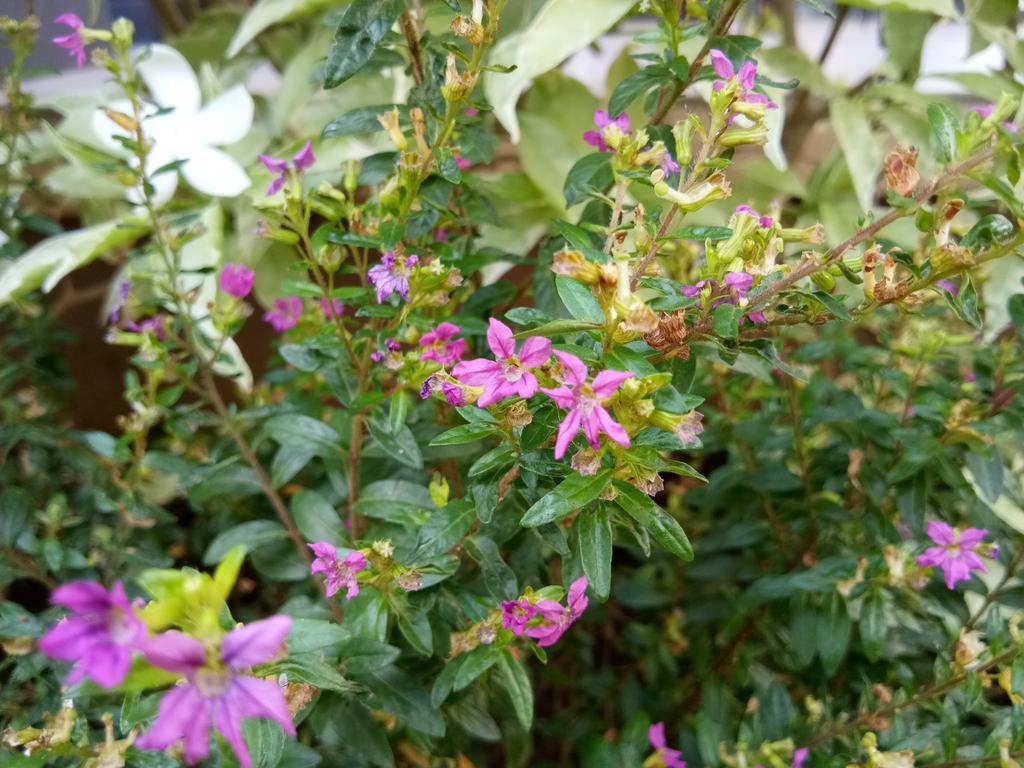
(571, 494)
(833, 304)
(944, 130)
(516, 685)
(464, 433)
(578, 299)
(362, 27)
(315, 518)
(591, 173)
(357, 121)
(873, 625)
(594, 535)
(659, 523)
(726, 320)
(990, 230)
(400, 445)
(638, 83)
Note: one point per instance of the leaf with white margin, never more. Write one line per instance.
(47, 263)
(267, 13)
(1004, 507)
(1004, 278)
(206, 252)
(556, 32)
(862, 152)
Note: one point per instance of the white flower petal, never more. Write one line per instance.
(226, 119)
(170, 78)
(213, 172)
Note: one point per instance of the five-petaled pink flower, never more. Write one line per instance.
(956, 552)
(285, 314)
(800, 757)
(509, 374)
(72, 42)
(602, 120)
(392, 275)
(216, 692)
(100, 634)
(236, 279)
(441, 347)
(516, 613)
(338, 573)
(746, 77)
(302, 160)
(556, 618)
(583, 399)
(672, 758)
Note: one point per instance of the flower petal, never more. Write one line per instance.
(567, 430)
(610, 427)
(71, 639)
(535, 351)
(262, 698)
(477, 372)
(169, 78)
(575, 369)
(175, 651)
(562, 396)
(82, 597)
(606, 382)
(940, 532)
(723, 67)
(228, 720)
(500, 339)
(656, 735)
(226, 118)
(256, 642)
(972, 537)
(178, 707)
(215, 173)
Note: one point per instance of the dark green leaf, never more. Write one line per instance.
(361, 28)
(594, 535)
(648, 515)
(573, 493)
(944, 130)
(591, 173)
(638, 83)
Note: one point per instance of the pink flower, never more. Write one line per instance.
(333, 308)
(556, 619)
(236, 279)
(800, 757)
(122, 297)
(672, 758)
(216, 693)
(453, 394)
(302, 160)
(956, 552)
(746, 77)
(738, 283)
(99, 635)
(72, 42)
(285, 314)
(583, 400)
(470, 112)
(516, 613)
(509, 374)
(338, 573)
(602, 120)
(463, 163)
(441, 235)
(157, 325)
(441, 348)
(392, 275)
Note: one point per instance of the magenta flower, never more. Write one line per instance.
(333, 308)
(949, 287)
(984, 111)
(236, 279)
(216, 692)
(453, 394)
(602, 120)
(157, 325)
(440, 347)
(509, 374)
(119, 302)
(669, 165)
(302, 160)
(556, 619)
(72, 42)
(693, 291)
(463, 163)
(800, 757)
(441, 235)
(100, 634)
(583, 400)
(392, 275)
(738, 284)
(516, 613)
(672, 758)
(285, 314)
(338, 573)
(956, 553)
(746, 77)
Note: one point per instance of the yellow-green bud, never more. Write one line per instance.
(439, 489)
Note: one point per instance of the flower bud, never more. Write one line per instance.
(457, 85)
(330, 257)
(753, 110)
(683, 133)
(123, 31)
(518, 414)
(823, 280)
(389, 121)
(121, 120)
(814, 234)
(267, 232)
(383, 548)
(715, 187)
(950, 258)
(736, 137)
(900, 168)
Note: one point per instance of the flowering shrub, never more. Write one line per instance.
(593, 434)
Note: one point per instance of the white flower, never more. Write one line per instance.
(180, 128)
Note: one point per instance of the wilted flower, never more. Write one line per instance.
(392, 275)
(608, 128)
(338, 573)
(216, 693)
(556, 619)
(236, 279)
(453, 394)
(440, 346)
(155, 324)
(583, 399)
(100, 634)
(670, 758)
(957, 551)
(516, 613)
(510, 373)
(901, 174)
(586, 461)
(119, 301)
(285, 314)
(302, 160)
(72, 42)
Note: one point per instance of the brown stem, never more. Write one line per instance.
(412, 39)
(26, 564)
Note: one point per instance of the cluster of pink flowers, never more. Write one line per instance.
(103, 633)
(734, 289)
(391, 275)
(957, 553)
(510, 373)
(546, 620)
(337, 573)
(302, 160)
(746, 77)
(389, 355)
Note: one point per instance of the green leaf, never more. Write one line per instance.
(498, 577)
(464, 433)
(266, 13)
(265, 740)
(594, 535)
(988, 473)
(573, 493)
(578, 299)
(304, 433)
(944, 130)
(474, 664)
(591, 173)
(401, 445)
(360, 30)
(648, 515)
(635, 85)
(990, 230)
(346, 721)
(363, 654)
(726, 320)
(560, 327)
(396, 500)
(873, 625)
(402, 696)
(250, 536)
(310, 668)
(714, 234)
(446, 528)
(833, 304)
(316, 518)
(857, 141)
(513, 680)
(832, 632)
(415, 628)
(360, 120)
(308, 635)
